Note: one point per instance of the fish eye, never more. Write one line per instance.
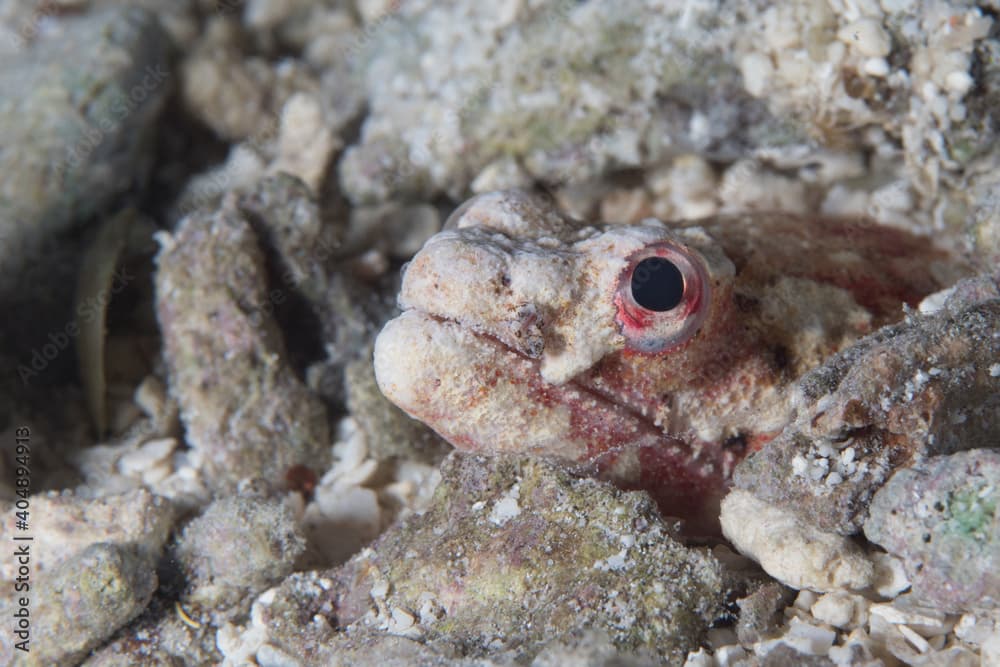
(662, 298)
(657, 284)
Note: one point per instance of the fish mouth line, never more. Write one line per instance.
(573, 383)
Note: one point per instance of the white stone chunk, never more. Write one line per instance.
(757, 71)
(700, 658)
(890, 575)
(915, 639)
(798, 555)
(990, 651)
(809, 638)
(729, 655)
(867, 36)
(842, 610)
(148, 455)
(805, 600)
(927, 621)
(876, 67)
(975, 629)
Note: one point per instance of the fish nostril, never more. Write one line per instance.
(527, 330)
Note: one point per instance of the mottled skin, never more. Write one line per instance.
(520, 333)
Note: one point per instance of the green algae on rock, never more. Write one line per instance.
(245, 410)
(92, 563)
(513, 554)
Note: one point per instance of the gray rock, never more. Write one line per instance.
(512, 555)
(920, 388)
(82, 602)
(306, 244)
(942, 517)
(237, 547)
(242, 403)
(64, 524)
(760, 612)
(487, 88)
(372, 649)
(77, 110)
(313, 267)
(223, 559)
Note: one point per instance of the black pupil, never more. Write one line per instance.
(657, 284)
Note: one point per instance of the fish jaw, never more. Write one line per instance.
(483, 396)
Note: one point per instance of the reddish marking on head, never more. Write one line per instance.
(756, 442)
(632, 317)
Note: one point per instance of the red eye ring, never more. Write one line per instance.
(662, 298)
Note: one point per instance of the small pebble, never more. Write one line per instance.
(975, 629)
(876, 67)
(841, 609)
(890, 575)
(151, 396)
(757, 71)
(927, 621)
(915, 639)
(729, 655)
(867, 36)
(147, 456)
(958, 82)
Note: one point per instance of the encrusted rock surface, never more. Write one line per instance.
(505, 560)
(314, 146)
(76, 111)
(922, 387)
(63, 525)
(760, 612)
(348, 312)
(942, 517)
(231, 552)
(240, 545)
(243, 406)
(78, 107)
(81, 602)
(502, 95)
